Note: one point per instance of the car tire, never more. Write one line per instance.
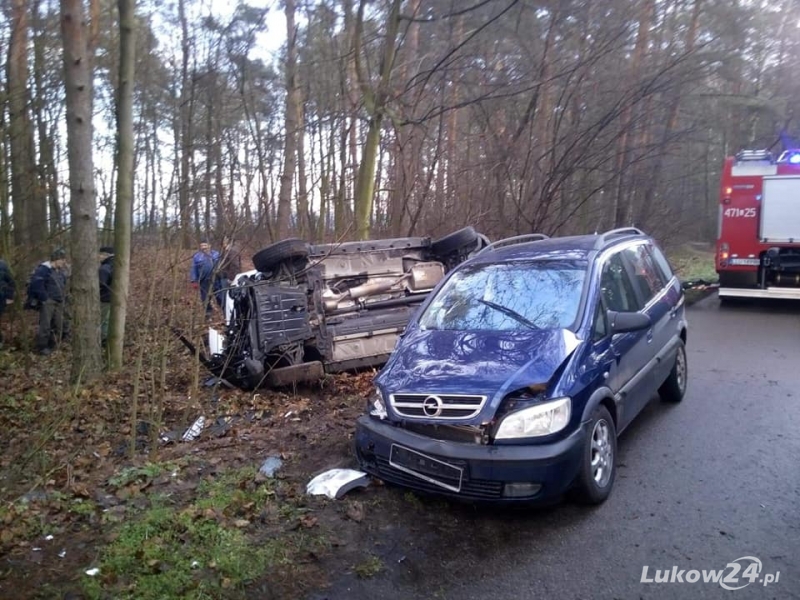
(267, 259)
(674, 387)
(599, 459)
(463, 238)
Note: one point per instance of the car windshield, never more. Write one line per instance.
(515, 296)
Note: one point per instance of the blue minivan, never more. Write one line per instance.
(517, 374)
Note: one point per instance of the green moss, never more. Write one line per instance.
(369, 567)
(195, 551)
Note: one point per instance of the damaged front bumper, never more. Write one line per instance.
(468, 471)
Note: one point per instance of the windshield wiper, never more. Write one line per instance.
(510, 312)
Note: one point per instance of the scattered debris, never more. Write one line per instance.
(63, 553)
(337, 482)
(171, 436)
(34, 496)
(222, 425)
(195, 565)
(270, 466)
(195, 430)
(93, 572)
(50, 537)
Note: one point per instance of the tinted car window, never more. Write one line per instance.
(647, 277)
(662, 263)
(600, 327)
(616, 287)
(508, 297)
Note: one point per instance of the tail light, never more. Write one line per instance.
(724, 251)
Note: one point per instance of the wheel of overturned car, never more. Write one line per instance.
(463, 238)
(270, 257)
(599, 459)
(674, 387)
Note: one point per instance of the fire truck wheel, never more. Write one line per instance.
(674, 388)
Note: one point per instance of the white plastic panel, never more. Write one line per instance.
(780, 210)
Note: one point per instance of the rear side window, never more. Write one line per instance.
(616, 287)
(662, 263)
(647, 277)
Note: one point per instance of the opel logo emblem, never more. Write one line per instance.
(432, 406)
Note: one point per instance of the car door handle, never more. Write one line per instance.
(649, 336)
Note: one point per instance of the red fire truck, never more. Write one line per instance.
(758, 249)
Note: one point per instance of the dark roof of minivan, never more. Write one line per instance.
(577, 247)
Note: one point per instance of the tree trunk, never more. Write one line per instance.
(124, 210)
(47, 166)
(304, 224)
(376, 104)
(623, 158)
(185, 129)
(30, 221)
(86, 359)
(290, 142)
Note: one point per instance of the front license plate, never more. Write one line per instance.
(426, 467)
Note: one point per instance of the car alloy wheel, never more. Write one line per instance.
(602, 450)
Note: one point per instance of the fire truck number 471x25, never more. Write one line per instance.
(746, 213)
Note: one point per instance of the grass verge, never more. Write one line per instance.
(208, 547)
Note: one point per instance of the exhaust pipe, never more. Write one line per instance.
(362, 291)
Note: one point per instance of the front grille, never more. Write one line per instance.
(463, 434)
(437, 406)
(471, 489)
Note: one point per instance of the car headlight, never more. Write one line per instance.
(376, 406)
(541, 419)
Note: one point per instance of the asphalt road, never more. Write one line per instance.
(700, 484)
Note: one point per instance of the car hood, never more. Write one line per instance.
(475, 362)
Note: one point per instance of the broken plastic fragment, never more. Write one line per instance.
(270, 466)
(336, 482)
(48, 537)
(63, 553)
(93, 572)
(195, 430)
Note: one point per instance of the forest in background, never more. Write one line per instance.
(395, 117)
(375, 118)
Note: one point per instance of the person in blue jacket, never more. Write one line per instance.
(205, 275)
(48, 293)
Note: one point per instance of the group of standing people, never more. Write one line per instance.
(48, 294)
(212, 272)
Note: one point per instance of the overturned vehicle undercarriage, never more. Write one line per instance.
(308, 310)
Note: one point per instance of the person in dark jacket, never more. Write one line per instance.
(48, 290)
(204, 275)
(7, 289)
(230, 267)
(106, 274)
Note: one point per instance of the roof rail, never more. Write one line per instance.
(601, 241)
(517, 239)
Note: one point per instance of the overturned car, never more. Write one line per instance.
(310, 309)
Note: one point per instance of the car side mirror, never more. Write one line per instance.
(624, 322)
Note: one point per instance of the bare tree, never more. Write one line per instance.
(292, 122)
(376, 102)
(30, 212)
(125, 160)
(86, 358)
